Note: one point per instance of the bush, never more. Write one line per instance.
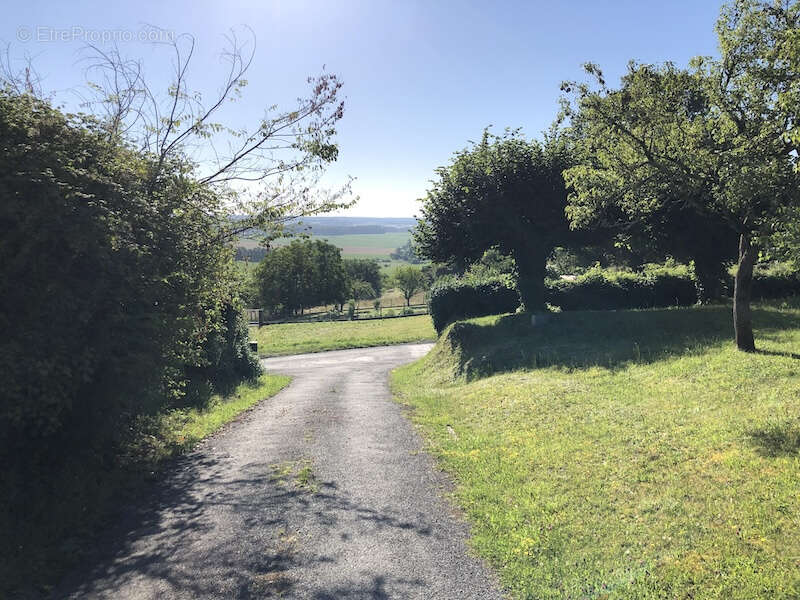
(600, 289)
(452, 299)
(228, 358)
(777, 280)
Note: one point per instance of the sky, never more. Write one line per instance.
(421, 78)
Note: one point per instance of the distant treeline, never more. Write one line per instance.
(321, 226)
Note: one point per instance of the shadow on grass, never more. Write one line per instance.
(793, 355)
(607, 339)
(777, 439)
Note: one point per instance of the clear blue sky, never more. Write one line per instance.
(421, 78)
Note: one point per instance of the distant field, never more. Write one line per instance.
(377, 245)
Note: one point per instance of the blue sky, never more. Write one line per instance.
(420, 78)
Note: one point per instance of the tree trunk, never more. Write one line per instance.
(531, 269)
(742, 291)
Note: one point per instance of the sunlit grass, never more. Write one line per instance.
(297, 338)
(638, 463)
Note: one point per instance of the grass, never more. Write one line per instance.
(84, 496)
(297, 338)
(364, 245)
(177, 431)
(630, 454)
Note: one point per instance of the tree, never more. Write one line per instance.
(406, 253)
(666, 224)
(506, 192)
(301, 274)
(410, 281)
(366, 270)
(711, 137)
(267, 171)
(360, 289)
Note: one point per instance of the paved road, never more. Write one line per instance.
(320, 492)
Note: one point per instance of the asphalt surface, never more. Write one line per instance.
(320, 492)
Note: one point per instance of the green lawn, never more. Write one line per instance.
(630, 454)
(297, 338)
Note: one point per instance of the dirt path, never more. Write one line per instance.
(320, 492)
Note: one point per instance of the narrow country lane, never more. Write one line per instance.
(320, 492)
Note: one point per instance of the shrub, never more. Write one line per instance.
(776, 280)
(600, 289)
(452, 299)
(228, 358)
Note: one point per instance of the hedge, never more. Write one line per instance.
(454, 299)
(775, 281)
(607, 290)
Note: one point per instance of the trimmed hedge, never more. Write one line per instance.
(607, 290)
(454, 299)
(775, 281)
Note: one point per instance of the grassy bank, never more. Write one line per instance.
(170, 433)
(83, 497)
(622, 454)
(297, 338)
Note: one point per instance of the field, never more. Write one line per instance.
(368, 245)
(297, 338)
(629, 454)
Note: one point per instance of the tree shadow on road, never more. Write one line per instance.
(200, 532)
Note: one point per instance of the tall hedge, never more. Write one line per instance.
(116, 300)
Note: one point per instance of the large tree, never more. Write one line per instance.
(505, 192)
(301, 274)
(711, 138)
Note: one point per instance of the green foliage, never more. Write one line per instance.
(305, 273)
(228, 358)
(410, 280)
(452, 299)
(599, 289)
(714, 141)
(110, 281)
(406, 253)
(776, 280)
(503, 192)
(117, 299)
(363, 270)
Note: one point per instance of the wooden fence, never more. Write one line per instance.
(259, 317)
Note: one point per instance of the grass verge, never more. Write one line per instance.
(83, 497)
(297, 338)
(173, 432)
(630, 454)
